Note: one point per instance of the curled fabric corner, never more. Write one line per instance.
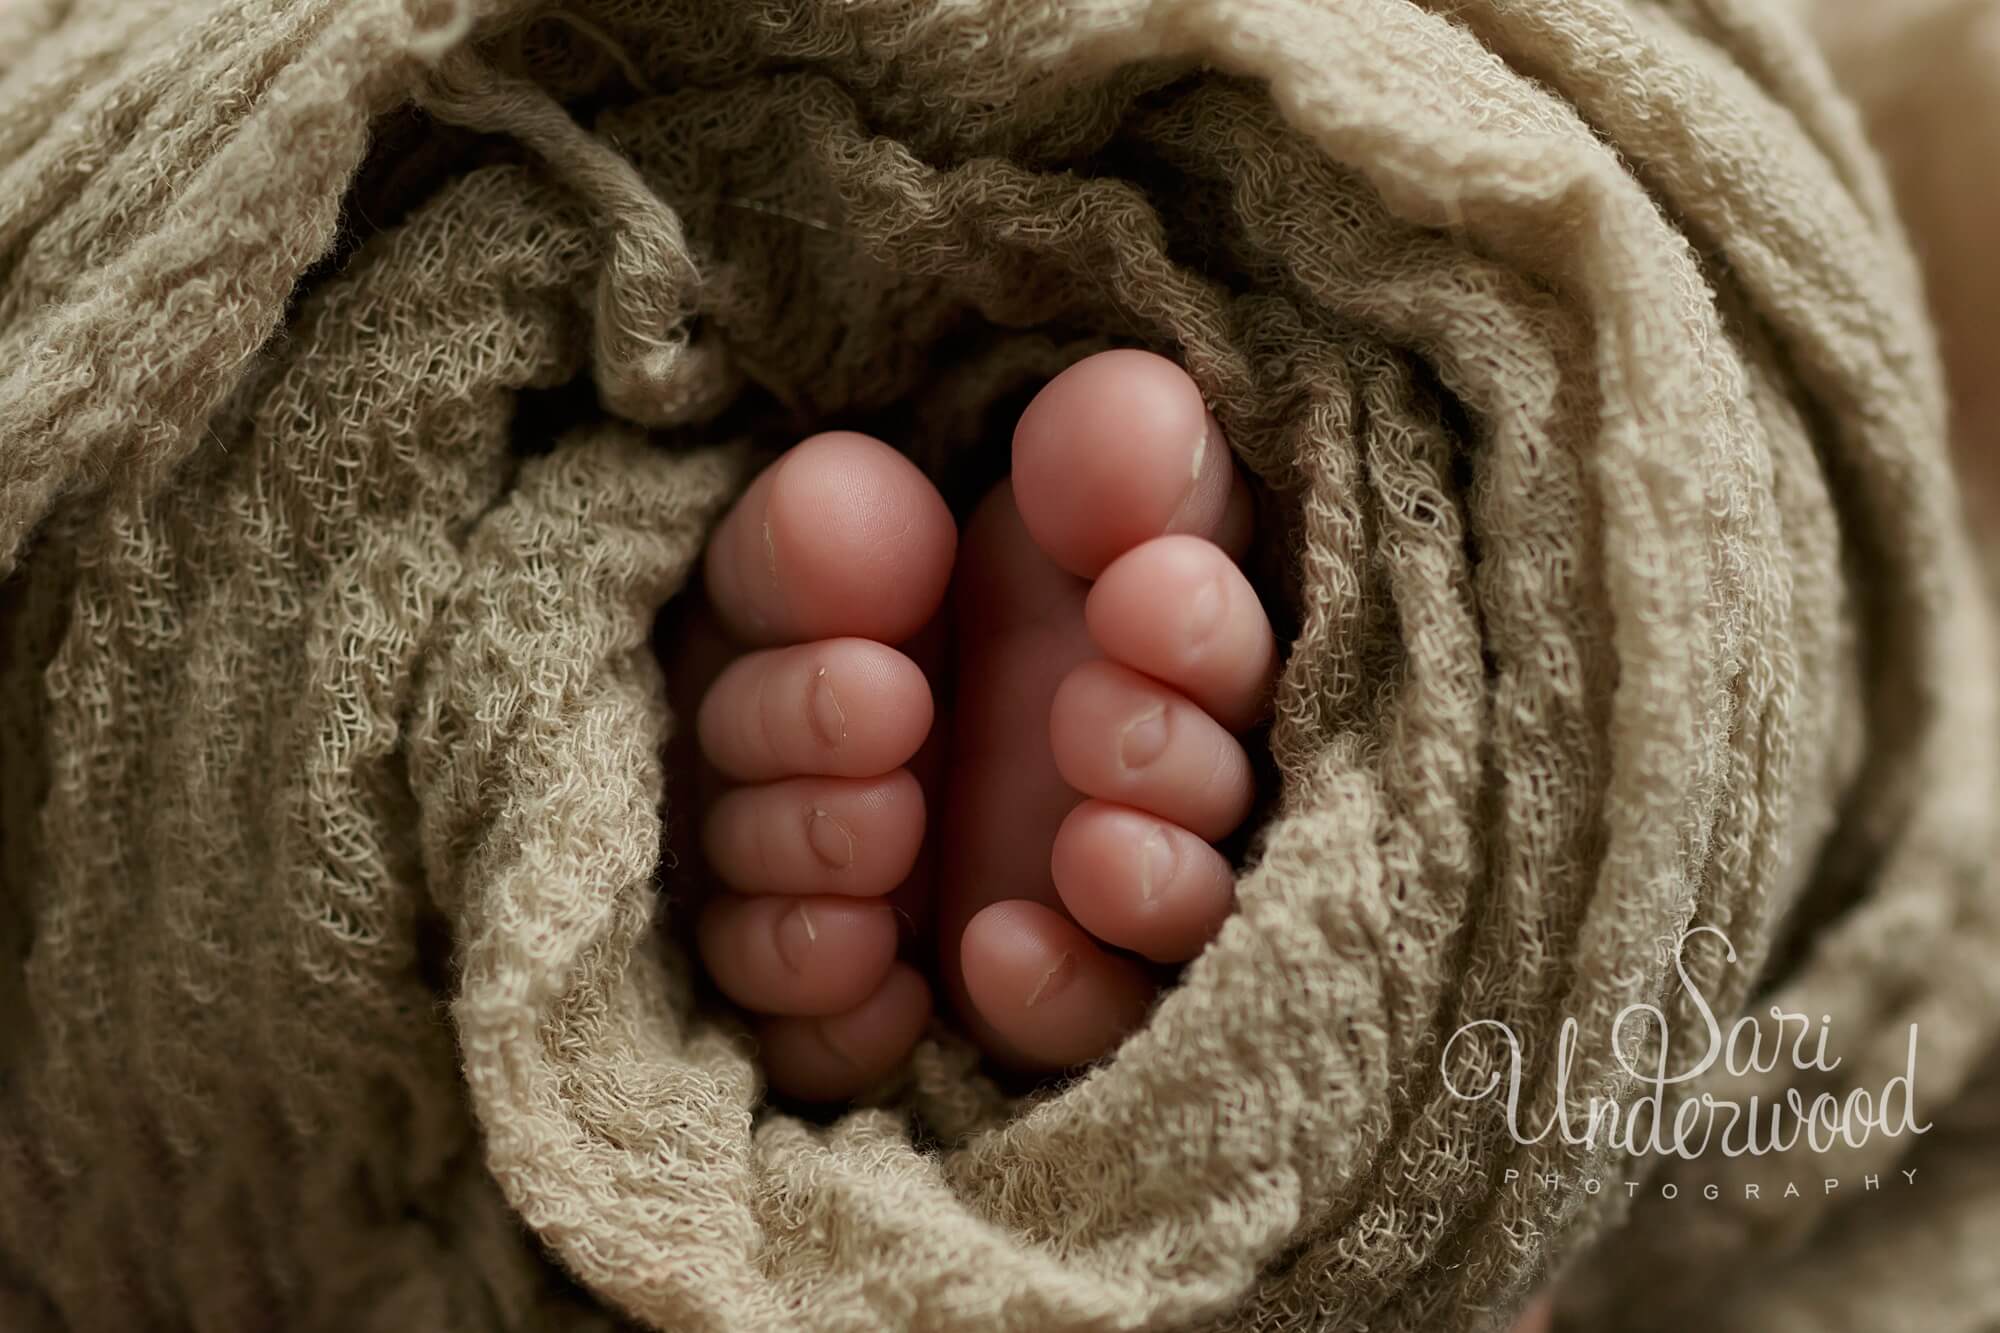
(647, 282)
(371, 383)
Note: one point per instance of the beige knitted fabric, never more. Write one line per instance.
(370, 369)
(1926, 75)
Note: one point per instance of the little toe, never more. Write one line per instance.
(842, 536)
(1119, 449)
(833, 1058)
(1048, 994)
(856, 837)
(1179, 610)
(797, 956)
(1135, 881)
(848, 708)
(1120, 736)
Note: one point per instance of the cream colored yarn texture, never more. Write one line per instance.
(370, 371)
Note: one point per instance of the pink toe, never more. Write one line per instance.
(1179, 610)
(1140, 883)
(853, 836)
(1114, 451)
(831, 1058)
(836, 708)
(800, 956)
(842, 536)
(1051, 994)
(1120, 736)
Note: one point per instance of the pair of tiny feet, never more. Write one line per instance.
(1048, 847)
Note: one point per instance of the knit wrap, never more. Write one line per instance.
(371, 372)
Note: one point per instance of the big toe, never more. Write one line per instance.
(840, 537)
(1120, 449)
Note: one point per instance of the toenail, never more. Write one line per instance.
(1193, 482)
(1052, 980)
(1143, 738)
(796, 935)
(832, 841)
(1158, 860)
(829, 720)
(1204, 612)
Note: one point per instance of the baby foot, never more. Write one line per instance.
(1109, 648)
(836, 551)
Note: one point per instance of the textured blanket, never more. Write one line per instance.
(371, 369)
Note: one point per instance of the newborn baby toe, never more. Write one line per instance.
(806, 956)
(1120, 449)
(830, 1058)
(1120, 736)
(1180, 611)
(845, 708)
(852, 836)
(841, 537)
(1140, 882)
(1049, 994)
